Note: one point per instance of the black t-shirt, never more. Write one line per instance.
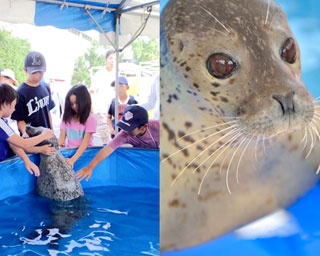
(34, 105)
(112, 108)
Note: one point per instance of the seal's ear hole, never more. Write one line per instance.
(288, 50)
(221, 65)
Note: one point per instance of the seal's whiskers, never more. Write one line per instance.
(229, 165)
(223, 148)
(266, 20)
(241, 156)
(234, 130)
(215, 18)
(312, 141)
(304, 140)
(196, 142)
(207, 128)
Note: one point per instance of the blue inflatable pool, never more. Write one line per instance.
(119, 213)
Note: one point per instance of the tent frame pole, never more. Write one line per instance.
(117, 72)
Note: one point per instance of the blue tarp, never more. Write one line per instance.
(74, 17)
(129, 167)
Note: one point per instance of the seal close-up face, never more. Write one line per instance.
(239, 130)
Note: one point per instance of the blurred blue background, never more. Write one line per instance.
(296, 230)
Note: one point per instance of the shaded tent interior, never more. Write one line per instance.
(119, 22)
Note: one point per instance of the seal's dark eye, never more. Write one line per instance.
(288, 51)
(221, 65)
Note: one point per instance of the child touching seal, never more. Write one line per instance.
(35, 101)
(8, 100)
(78, 123)
(136, 130)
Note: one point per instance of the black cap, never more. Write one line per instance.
(35, 62)
(133, 117)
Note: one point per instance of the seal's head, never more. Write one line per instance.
(243, 60)
(35, 131)
(236, 118)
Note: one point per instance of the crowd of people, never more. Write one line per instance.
(85, 113)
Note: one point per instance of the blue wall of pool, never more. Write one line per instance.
(128, 167)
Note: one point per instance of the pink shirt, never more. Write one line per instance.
(150, 139)
(76, 131)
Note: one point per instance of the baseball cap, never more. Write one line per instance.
(35, 62)
(121, 79)
(133, 117)
(9, 73)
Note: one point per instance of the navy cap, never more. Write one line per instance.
(35, 62)
(133, 117)
(123, 80)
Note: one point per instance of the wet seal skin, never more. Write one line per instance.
(239, 130)
(57, 179)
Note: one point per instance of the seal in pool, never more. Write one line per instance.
(57, 179)
(239, 130)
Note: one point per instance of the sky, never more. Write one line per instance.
(60, 47)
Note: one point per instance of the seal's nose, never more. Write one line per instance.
(286, 102)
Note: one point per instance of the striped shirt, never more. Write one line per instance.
(5, 132)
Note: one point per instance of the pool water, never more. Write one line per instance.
(109, 220)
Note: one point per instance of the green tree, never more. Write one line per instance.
(80, 72)
(145, 49)
(91, 58)
(12, 53)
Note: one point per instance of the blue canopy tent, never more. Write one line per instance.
(112, 18)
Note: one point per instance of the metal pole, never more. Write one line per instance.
(116, 85)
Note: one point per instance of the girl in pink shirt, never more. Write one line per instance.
(78, 123)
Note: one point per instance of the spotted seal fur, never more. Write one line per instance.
(57, 179)
(239, 130)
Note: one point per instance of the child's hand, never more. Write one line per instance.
(48, 133)
(32, 168)
(112, 132)
(25, 135)
(70, 162)
(47, 150)
(84, 173)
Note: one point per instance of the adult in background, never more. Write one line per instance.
(153, 99)
(102, 95)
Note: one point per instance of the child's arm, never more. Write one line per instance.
(31, 167)
(87, 171)
(45, 149)
(109, 122)
(84, 144)
(50, 120)
(62, 137)
(22, 128)
(17, 141)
